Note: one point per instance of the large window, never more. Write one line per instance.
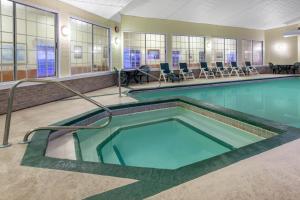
(188, 49)
(246, 51)
(257, 53)
(7, 47)
(28, 51)
(230, 51)
(90, 49)
(141, 49)
(252, 51)
(180, 50)
(217, 50)
(197, 51)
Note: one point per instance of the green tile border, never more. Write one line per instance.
(152, 181)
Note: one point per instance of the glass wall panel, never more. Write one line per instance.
(6, 41)
(188, 49)
(257, 53)
(230, 51)
(35, 33)
(246, 51)
(81, 47)
(140, 49)
(35, 42)
(217, 50)
(134, 50)
(197, 51)
(101, 49)
(180, 50)
(155, 49)
(90, 47)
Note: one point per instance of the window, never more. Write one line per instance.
(155, 49)
(197, 51)
(180, 50)
(134, 50)
(246, 50)
(188, 49)
(217, 50)
(230, 51)
(140, 49)
(252, 51)
(34, 45)
(257, 53)
(90, 47)
(7, 43)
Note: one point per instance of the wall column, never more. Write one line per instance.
(169, 49)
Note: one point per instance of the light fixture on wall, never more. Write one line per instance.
(117, 41)
(281, 47)
(65, 31)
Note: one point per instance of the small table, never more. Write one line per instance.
(285, 68)
(128, 75)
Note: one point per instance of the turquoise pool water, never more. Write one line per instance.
(166, 144)
(165, 139)
(277, 100)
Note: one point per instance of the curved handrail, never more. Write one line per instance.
(25, 140)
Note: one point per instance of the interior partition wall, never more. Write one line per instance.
(28, 42)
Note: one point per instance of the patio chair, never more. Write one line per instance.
(140, 74)
(295, 67)
(204, 70)
(166, 74)
(185, 71)
(273, 68)
(222, 70)
(236, 69)
(250, 68)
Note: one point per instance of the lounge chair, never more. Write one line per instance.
(236, 69)
(204, 70)
(166, 74)
(185, 71)
(222, 70)
(250, 68)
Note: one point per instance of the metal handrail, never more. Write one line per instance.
(146, 73)
(152, 76)
(25, 140)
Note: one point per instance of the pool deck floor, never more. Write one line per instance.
(274, 174)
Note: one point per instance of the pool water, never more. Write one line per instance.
(277, 100)
(166, 139)
(160, 145)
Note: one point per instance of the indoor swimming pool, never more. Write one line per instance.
(277, 100)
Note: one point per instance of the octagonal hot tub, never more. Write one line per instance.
(165, 136)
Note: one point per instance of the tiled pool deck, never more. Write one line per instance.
(274, 174)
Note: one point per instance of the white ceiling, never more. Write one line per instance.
(258, 14)
(103, 8)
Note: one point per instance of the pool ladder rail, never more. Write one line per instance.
(5, 142)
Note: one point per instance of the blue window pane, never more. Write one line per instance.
(46, 61)
(132, 58)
